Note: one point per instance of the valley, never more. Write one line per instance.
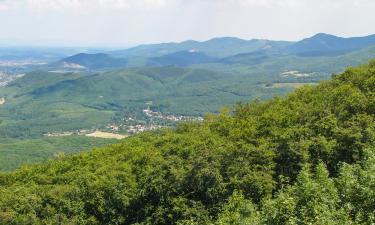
(123, 127)
(103, 94)
(187, 112)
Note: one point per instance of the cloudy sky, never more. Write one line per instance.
(131, 22)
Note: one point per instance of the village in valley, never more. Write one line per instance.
(6, 78)
(130, 125)
(153, 120)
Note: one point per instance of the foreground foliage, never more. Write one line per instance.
(304, 159)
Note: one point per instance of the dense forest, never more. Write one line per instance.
(307, 158)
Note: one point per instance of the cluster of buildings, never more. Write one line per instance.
(296, 73)
(68, 133)
(141, 128)
(131, 125)
(20, 63)
(148, 112)
(6, 78)
(132, 129)
(59, 134)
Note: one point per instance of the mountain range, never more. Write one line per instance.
(325, 44)
(227, 50)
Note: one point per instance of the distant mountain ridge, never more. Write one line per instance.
(217, 47)
(219, 51)
(326, 44)
(319, 44)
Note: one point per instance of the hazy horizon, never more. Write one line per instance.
(127, 23)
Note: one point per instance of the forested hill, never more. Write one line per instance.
(307, 158)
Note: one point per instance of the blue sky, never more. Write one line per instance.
(131, 22)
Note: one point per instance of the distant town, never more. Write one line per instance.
(130, 125)
(6, 78)
(156, 118)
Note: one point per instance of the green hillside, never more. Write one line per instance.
(182, 58)
(269, 62)
(98, 61)
(42, 102)
(307, 158)
(49, 102)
